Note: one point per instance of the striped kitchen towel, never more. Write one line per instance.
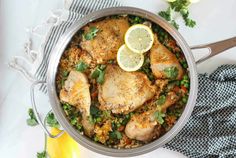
(34, 66)
(211, 130)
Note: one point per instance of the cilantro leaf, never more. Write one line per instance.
(99, 74)
(91, 33)
(161, 100)
(159, 117)
(181, 7)
(166, 14)
(81, 66)
(171, 72)
(51, 121)
(42, 154)
(32, 121)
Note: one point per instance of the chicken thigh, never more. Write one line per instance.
(122, 91)
(109, 38)
(164, 63)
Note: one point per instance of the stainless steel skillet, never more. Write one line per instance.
(215, 48)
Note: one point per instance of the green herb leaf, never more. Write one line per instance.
(42, 154)
(159, 117)
(91, 34)
(65, 73)
(32, 121)
(81, 66)
(51, 121)
(95, 73)
(166, 14)
(100, 78)
(115, 135)
(171, 72)
(161, 100)
(99, 74)
(181, 7)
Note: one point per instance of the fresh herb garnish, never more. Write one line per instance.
(42, 154)
(159, 117)
(52, 121)
(32, 121)
(81, 66)
(99, 74)
(115, 135)
(181, 7)
(171, 72)
(91, 33)
(161, 100)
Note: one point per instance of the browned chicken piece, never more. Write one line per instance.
(122, 91)
(161, 84)
(145, 127)
(76, 92)
(142, 127)
(171, 99)
(162, 59)
(109, 38)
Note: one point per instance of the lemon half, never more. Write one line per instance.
(139, 38)
(128, 60)
(62, 147)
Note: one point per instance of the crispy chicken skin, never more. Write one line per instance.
(76, 92)
(122, 91)
(144, 127)
(161, 58)
(106, 43)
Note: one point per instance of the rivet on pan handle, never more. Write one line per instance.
(216, 48)
(36, 111)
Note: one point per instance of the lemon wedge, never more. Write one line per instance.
(128, 60)
(62, 147)
(139, 38)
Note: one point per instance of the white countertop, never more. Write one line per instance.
(215, 21)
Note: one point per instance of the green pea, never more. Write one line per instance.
(185, 99)
(185, 77)
(99, 119)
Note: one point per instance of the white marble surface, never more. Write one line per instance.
(215, 21)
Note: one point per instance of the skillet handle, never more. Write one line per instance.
(36, 111)
(216, 48)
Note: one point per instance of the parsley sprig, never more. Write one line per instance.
(32, 121)
(181, 7)
(91, 33)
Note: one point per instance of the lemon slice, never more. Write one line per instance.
(139, 38)
(128, 60)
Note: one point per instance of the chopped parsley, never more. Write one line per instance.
(42, 154)
(159, 117)
(181, 7)
(91, 33)
(171, 72)
(52, 121)
(81, 66)
(161, 100)
(115, 135)
(99, 74)
(32, 121)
